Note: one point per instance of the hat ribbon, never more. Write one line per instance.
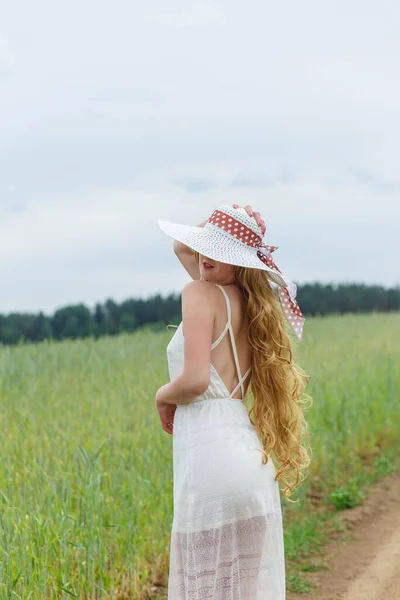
(287, 294)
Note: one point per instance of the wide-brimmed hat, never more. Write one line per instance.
(231, 236)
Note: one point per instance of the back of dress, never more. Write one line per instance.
(227, 537)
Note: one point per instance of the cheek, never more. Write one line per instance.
(226, 270)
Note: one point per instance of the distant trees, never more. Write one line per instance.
(78, 321)
(319, 299)
(72, 322)
(111, 318)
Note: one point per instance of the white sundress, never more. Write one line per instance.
(227, 535)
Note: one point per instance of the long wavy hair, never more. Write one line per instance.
(277, 382)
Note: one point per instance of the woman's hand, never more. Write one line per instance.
(166, 410)
(166, 413)
(256, 215)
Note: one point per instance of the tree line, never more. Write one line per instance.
(111, 318)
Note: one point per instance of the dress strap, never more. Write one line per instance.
(228, 306)
(240, 383)
(235, 354)
(217, 341)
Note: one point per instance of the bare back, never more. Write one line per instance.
(222, 355)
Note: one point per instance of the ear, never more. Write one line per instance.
(198, 324)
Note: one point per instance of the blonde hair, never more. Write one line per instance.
(277, 382)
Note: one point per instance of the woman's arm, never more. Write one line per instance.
(198, 324)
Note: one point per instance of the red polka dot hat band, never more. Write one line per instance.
(232, 236)
(289, 303)
(236, 228)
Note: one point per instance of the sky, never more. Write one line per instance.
(116, 114)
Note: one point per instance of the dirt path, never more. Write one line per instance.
(367, 566)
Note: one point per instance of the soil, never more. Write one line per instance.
(366, 566)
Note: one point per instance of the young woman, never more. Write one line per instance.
(227, 534)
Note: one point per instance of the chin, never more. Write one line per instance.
(206, 274)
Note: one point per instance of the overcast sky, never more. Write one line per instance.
(116, 114)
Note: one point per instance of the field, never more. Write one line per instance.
(86, 470)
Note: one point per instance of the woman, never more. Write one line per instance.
(227, 536)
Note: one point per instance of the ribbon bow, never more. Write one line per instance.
(287, 294)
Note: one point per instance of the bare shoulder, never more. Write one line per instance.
(199, 289)
(208, 295)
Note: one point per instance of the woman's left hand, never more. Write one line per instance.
(254, 214)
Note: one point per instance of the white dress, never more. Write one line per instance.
(227, 535)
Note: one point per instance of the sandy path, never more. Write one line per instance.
(367, 567)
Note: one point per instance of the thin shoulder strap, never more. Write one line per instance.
(235, 354)
(228, 306)
(240, 383)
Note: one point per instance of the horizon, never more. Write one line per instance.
(92, 307)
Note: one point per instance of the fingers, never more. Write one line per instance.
(260, 222)
(247, 208)
(254, 214)
(167, 428)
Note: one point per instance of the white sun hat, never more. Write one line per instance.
(231, 236)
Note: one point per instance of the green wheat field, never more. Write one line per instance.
(86, 477)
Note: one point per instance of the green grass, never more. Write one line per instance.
(86, 470)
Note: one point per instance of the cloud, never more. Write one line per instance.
(376, 183)
(167, 112)
(7, 56)
(197, 13)
(196, 186)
